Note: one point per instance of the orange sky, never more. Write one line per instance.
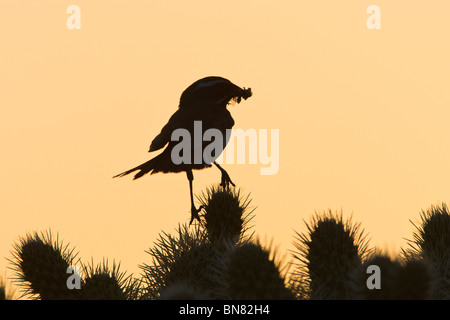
(362, 115)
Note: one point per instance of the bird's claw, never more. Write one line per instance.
(194, 213)
(226, 180)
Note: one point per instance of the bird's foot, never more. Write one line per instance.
(194, 213)
(226, 180)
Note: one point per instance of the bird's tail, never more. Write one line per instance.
(144, 168)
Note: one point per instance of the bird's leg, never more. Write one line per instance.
(194, 210)
(225, 180)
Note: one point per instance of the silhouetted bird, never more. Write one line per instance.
(205, 100)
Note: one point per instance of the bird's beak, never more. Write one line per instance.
(246, 93)
(242, 93)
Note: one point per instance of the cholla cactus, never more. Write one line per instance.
(399, 280)
(185, 258)
(431, 242)
(40, 265)
(181, 291)
(226, 214)
(216, 259)
(2, 292)
(389, 269)
(413, 281)
(329, 256)
(247, 271)
(102, 282)
(6, 292)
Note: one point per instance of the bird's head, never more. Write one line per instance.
(213, 90)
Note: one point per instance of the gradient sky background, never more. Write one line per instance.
(363, 115)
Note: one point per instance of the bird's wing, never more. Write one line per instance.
(212, 118)
(177, 120)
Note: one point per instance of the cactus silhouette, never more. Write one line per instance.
(250, 272)
(188, 259)
(217, 258)
(181, 291)
(225, 213)
(6, 291)
(413, 281)
(2, 292)
(40, 264)
(102, 282)
(399, 280)
(389, 268)
(329, 255)
(431, 242)
(183, 258)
